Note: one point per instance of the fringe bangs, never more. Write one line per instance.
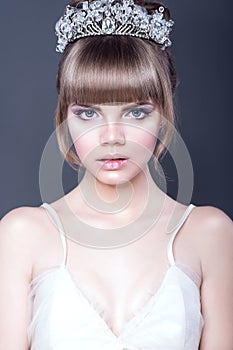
(109, 70)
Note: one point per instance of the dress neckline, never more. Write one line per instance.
(140, 313)
(143, 309)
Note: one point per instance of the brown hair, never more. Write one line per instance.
(112, 68)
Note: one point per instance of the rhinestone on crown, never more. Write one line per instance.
(112, 17)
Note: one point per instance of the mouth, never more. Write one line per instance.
(113, 157)
(113, 162)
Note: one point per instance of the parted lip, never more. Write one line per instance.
(113, 156)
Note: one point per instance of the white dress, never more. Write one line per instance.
(64, 319)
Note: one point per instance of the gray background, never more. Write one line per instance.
(203, 53)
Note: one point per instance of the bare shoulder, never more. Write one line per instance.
(212, 221)
(26, 232)
(22, 221)
(214, 242)
(213, 234)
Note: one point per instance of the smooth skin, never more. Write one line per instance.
(30, 243)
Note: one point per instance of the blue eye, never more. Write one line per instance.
(138, 113)
(86, 114)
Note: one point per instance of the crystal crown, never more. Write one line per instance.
(112, 17)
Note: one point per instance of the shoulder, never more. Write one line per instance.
(19, 221)
(213, 230)
(25, 232)
(214, 242)
(17, 243)
(211, 221)
(22, 221)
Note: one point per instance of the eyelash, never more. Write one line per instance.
(83, 111)
(143, 111)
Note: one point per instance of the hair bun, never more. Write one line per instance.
(74, 3)
(150, 6)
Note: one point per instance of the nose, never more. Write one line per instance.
(112, 133)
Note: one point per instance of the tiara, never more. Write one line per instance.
(112, 17)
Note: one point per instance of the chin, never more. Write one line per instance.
(114, 178)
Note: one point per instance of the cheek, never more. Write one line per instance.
(85, 145)
(146, 134)
(83, 140)
(145, 139)
(143, 149)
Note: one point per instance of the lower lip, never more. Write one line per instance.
(113, 164)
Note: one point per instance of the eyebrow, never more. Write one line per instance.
(138, 105)
(124, 109)
(90, 106)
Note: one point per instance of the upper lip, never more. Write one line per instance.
(113, 156)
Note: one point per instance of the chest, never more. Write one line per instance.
(118, 282)
(63, 315)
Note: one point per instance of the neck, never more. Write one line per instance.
(129, 198)
(101, 215)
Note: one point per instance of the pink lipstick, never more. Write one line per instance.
(113, 162)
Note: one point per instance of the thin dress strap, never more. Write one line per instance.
(59, 225)
(170, 253)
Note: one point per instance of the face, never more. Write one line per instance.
(114, 142)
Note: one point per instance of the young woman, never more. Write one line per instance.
(116, 263)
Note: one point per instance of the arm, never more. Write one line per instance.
(15, 276)
(217, 286)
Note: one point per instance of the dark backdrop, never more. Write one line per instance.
(203, 53)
